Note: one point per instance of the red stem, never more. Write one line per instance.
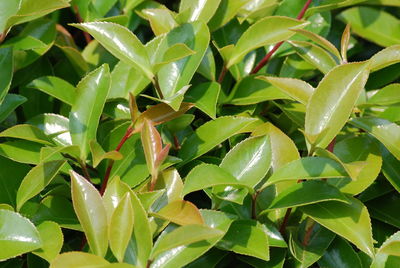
(222, 74)
(267, 57)
(126, 136)
(285, 221)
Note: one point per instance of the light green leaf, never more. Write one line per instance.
(308, 192)
(198, 10)
(391, 246)
(295, 88)
(246, 237)
(332, 102)
(120, 42)
(207, 175)
(314, 55)
(307, 168)
(84, 118)
(55, 126)
(343, 219)
(205, 97)
(21, 151)
(17, 235)
(78, 260)
(161, 20)
(211, 134)
(55, 87)
(113, 195)
(53, 239)
(382, 29)
(385, 57)
(37, 179)
(184, 235)
(330, 5)
(225, 12)
(256, 36)
(386, 96)
(99, 155)
(385, 131)
(180, 212)
(6, 65)
(91, 213)
(26, 132)
(121, 227)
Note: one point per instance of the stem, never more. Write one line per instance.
(2, 37)
(222, 74)
(307, 236)
(87, 36)
(126, 136)
(153, 182)
(158, 89)
(84, 170)
(267, 57)
(176, 143)
(254, 205)
(285, 221)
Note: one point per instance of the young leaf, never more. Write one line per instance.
(91, 213)
(52, 238)
(161, 20)
(37, 179)
(18, 235)
(121, 227)
(152, 145)
(344, 44)
(91, 96)
(120, 42)
(99, 155)
(161, 113)
(343, 219)
(256, 36)
(180, 212)
(332, 102)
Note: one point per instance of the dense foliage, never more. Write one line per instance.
(199, 133)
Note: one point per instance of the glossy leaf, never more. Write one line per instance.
(26, 132)
(385, 57)
(55, 87)
(120, 42)
(52, 238)
(225, 12)
(37, 179)
(78, 260)
(391, 246)
(256, 36)
(161, 20)
(6, 65)
(152, 145)
(121, 227)
(332, 102)
(91, 96)
(18, 235)
(162, 113)
(247, 238)
(9, 104)
(307, 168)
(55, 126)
(180, 212)
(21, 151)
(205, 97)
(386, 96)
(343, 219)
(198, 10)
(340, 253)
(385, 131)
(206, 175)
(99, 155)
(184, 235)
(91, 213)
(220, 129)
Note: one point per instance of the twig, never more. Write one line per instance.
(222, 74)
(127, 135)
(267, 57)
(285, 221)
(84, 170)
(254, 205)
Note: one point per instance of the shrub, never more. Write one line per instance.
(219, 133)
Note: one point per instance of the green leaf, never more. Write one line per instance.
(78, 260)
(91, 213)
(121, 227)
(161, 20)
(120, 42)
(26, 132)
(319, 240)
(307, 168)
(295, 88)
(205, 97)
(152, 146)
(9, 187)
(99, 155)
(384, 208)
(184, 235)
(332, 102)
(343, 219)
(391, 246)
(84, 118)
(37, 179)
(9, 104)
(386, 96)
(225, 12)
(391, 168)
(249, 161)
(382, 29)
(207, 175)
(52, 237)
(170, 181)
(114, 193)
(314, 55)
(211, 134)
(256, 36)
(198, 10)
(21, 151)
(180, 212)
(179, 257)
(385, 131)
(161, 113)
(6, 65)
(18, 235)
(55, 126)
(385, 57)
(55, 87)
(246, 237)
(340, 254)
(308, 192)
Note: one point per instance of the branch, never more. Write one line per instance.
(267, 57)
